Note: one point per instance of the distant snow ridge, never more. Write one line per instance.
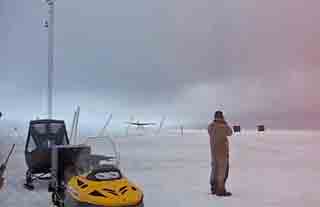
(11, 136)
(19, 140)
(12, 132)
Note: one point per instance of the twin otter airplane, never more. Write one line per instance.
(141, 124)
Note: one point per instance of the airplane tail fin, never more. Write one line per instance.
(161, 124)
(127, 129)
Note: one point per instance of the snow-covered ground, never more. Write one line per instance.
(276, 168)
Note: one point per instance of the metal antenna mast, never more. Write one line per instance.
(50, 26)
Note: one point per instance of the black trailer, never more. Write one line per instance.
(42, 136)
(261, 128)
(236, 128)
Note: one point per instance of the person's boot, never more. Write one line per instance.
(213, 190)
(224, 193)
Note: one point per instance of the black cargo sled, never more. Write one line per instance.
(42, 136)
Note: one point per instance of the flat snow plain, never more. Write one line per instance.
(275, 168)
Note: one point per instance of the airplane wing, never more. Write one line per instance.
(132, 123)
(146, 124)
(140, 124)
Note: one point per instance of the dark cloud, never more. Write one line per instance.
(253, 59)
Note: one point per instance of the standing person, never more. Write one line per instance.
(181, 130)
(4, 166)
(1, 182)
(218, 131)
(2, 169)
(1, 173)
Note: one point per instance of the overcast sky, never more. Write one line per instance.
(256, 60)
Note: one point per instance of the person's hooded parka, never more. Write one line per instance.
(219, 144)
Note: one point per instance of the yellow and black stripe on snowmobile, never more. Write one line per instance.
(84, 191)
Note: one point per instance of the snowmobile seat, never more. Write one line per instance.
(105, 172)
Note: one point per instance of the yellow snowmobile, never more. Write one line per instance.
(82, 178)
(103, 187)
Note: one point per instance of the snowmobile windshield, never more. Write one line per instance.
(103, 154)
